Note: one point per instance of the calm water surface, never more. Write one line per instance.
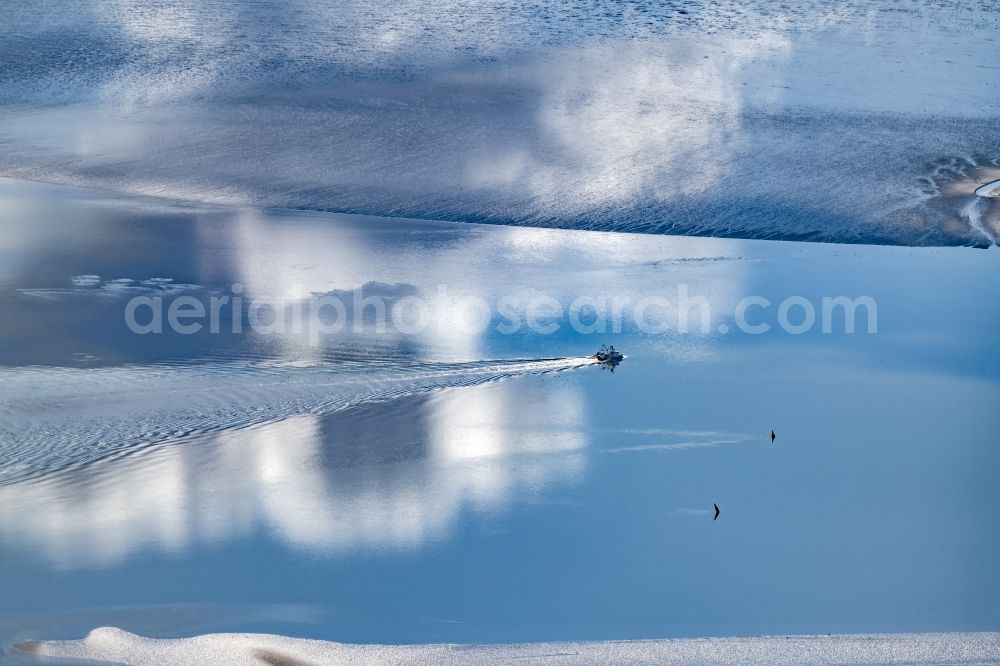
(456, 485)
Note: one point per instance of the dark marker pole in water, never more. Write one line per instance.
(716, 511)
(772, 436)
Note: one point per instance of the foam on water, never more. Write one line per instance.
(109, 644)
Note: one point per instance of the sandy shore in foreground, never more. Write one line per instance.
(110, 644)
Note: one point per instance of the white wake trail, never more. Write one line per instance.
(55, 418)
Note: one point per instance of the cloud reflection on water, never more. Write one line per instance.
(397, 474)
(286, 257)
(392, 476)
(628, 122)
(762, 120)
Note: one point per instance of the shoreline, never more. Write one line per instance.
(989, 190)
(140, 198)
(911, 648)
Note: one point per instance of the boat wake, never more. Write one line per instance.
(57, 419)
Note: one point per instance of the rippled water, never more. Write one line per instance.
(857, 123)
(59, 418)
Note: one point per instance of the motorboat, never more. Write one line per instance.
(608, 355)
